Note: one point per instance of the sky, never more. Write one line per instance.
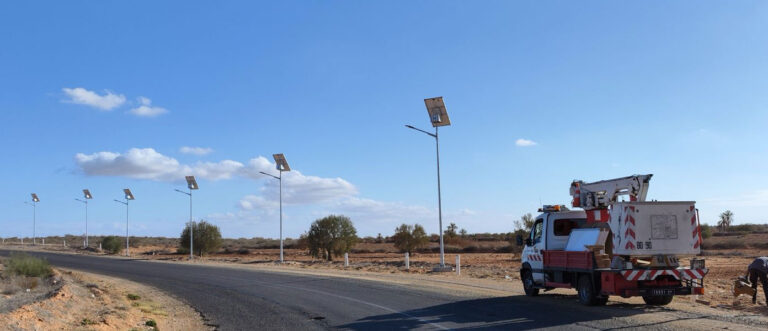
(110, 95)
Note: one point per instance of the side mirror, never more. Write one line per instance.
(528, 242)
(519, 240)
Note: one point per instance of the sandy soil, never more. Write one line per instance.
(95, 302)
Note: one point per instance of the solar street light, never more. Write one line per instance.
(87, 195)
(438, 116)
(282, 165)
(35, 200)
(128, 197)
(191, 185)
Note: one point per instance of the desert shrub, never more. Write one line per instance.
(112, 244)
(730, 244)
(27, 265)
(706, 231)
(132, 297)
(206, 237)
(331, 235)
(243, 251)
(409, 238)
(471, 249)
(447, 249)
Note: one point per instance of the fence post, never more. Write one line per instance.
(407, 261)
(458, 264)
(22, 241)
(99, 246)
(346, 259)
(43, 241)
(64, 242)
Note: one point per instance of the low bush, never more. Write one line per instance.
(132, 297)
(112, 244)
(27, 265)
(730, 244)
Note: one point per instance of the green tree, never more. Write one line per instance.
(463, 233)
(450, 231)
(112, 244)
(207, 238)
(726, 219)
(525, 223)
(409, 238)
(331, 235)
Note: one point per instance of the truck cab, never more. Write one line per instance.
(550, 231)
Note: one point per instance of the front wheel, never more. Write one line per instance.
(528, 284)
(660, 300)
(588, 296)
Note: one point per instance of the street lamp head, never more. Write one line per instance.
(35, 198)
(438, 115)
(128, 194)
(281, 163)
(87, 194)
(191, 183)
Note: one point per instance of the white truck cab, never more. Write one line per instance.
(549, 232)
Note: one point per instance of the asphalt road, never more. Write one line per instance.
(238, 299)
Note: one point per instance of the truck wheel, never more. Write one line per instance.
(661, 300)
(528, 284)
(587, 293)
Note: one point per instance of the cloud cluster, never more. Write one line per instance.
(200, 151)
(525, 142)
(109, 101)
(81, 96)
(146, 163)
(145, 109)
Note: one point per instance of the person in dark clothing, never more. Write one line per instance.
(758, 270)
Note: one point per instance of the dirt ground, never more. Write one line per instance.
(94, 302)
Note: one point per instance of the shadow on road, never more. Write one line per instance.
(507, 313)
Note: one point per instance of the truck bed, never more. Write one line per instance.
(568, 261)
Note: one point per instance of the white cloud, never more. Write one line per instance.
(82, 96)
(141, 163)
(145, 109)
(525, 142)
(146, 163)
(195, 150)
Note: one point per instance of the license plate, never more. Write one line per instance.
(662, 292)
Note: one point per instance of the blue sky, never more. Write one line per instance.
(104, 95)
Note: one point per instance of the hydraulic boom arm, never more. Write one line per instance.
(599, 195)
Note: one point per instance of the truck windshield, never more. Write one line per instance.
(538, 229)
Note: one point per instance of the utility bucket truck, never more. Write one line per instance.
(609, 247)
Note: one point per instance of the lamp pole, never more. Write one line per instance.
(439, 195)
(128, 197)
(280, 180)
(86, 220)
(191, 185)
(438, 116)
(191, 225)
(35, 200)
(127, 247)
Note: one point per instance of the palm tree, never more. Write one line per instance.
(726, 218)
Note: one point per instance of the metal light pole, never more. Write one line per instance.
(35, 200)
(282, 165)
(128, 197)
(192, 185)
(87, 195)
(438, 115)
